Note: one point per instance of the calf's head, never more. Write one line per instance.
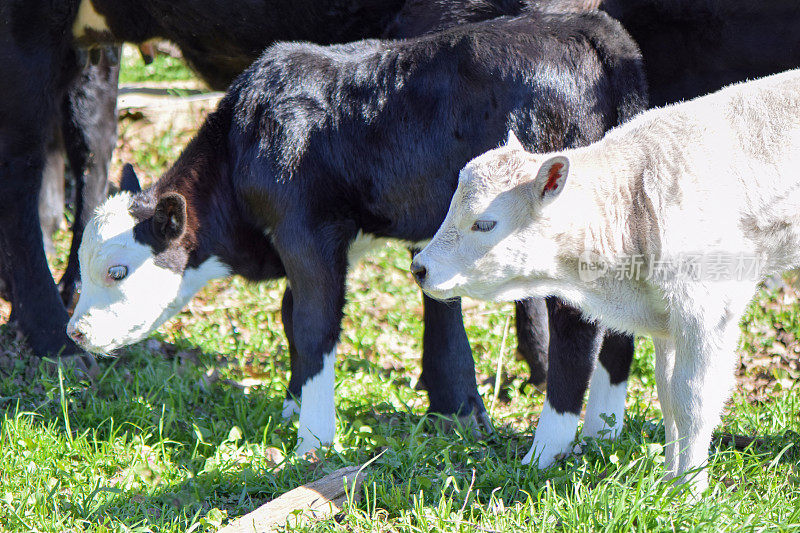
(497, 239)
(135, 268)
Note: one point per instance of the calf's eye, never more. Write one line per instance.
(484, 225)
(118, 272)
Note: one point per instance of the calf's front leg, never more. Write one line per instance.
(316, 274)
(705, 337)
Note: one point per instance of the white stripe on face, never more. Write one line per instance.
(555, 433)
(317, 423)
(111, 313)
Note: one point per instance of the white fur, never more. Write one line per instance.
(716, 177)
(317, 423)
(553, 439)
(111, 314)
(290, 408)
(604, 399)
(88, 19)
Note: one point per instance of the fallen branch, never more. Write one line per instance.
(317, 500)
(740, 442)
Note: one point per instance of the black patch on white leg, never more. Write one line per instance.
(616, 356)
(573, 345)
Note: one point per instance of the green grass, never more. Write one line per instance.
(163, 68)
(154, 444)
(183, 432)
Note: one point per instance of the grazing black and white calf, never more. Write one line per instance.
(679, 213)
(316, 152)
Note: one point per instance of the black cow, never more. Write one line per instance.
(316, 151)
(694, 47)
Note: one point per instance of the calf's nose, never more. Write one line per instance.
(75, 334)
(419, 271)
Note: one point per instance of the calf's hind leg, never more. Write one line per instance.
(290, 406)
(608, 387)
(574, 344)
(448, 370)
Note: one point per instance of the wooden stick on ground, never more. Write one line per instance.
(740, 442)
(316, 501)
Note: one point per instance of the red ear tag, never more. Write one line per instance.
(553, 177)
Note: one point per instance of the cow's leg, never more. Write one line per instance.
(316, 266)
(27, 110)
(35, 305)
(448, 370)
(533, 338)
(605, 410)
(290, 406)
(574, 345)
(51, 195)
(90, 134)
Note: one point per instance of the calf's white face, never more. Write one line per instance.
(497, 234)
(127, 290)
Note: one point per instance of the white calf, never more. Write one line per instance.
(664, 227)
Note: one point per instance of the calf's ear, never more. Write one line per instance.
(129, 182)
(169, 217)
(512, 141)
(551, 178)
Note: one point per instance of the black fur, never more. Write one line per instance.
(220, 38)
(694, 47)
(39, 64)
(574, 343)
(128, 180)
(312, 145)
